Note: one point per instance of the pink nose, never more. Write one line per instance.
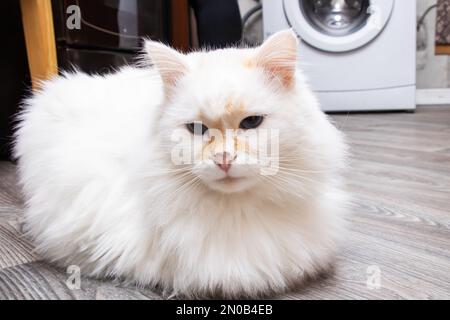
(224, 160)
(224, 166)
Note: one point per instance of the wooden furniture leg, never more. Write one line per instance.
(37, 22)
(180, 35)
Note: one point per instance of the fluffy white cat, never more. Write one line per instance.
(104, 192)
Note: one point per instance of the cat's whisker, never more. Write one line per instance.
(163, 173)
(290, 177)
(164, 188)
(167, 170)
(279, 185)
(195, 181)
(302, 171)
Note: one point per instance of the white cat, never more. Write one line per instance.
(102, 189)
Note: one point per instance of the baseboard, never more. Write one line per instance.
(431, 97)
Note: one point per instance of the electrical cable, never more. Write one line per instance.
(424, 15)
(250, 13)
(247, 16)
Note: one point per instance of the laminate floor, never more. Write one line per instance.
(397, 245)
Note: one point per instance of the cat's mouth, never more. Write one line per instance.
(229, 184)
(229, 179)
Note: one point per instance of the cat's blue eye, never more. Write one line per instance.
(197, 128)
(251, 122)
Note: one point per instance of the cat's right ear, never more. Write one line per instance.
(170, 64)
(278, 57)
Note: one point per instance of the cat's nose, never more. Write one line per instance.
(224, 160)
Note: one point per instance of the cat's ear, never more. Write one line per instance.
(170, 63)
(278, 57)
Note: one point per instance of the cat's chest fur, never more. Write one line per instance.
(228, 240)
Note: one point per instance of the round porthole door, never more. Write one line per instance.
(338, 25)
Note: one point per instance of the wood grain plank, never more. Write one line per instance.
(41, 281)
(15, 249)
(33, 281)
(11, 202)
(399, 179)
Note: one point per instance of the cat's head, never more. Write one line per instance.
(224, 109)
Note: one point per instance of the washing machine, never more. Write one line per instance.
(357, 54)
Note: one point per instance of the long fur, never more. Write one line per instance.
(102, 193)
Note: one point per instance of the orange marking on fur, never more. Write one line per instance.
(249, 63)
(229, 106)
(234, 113)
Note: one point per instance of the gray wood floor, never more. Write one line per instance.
(398, 242)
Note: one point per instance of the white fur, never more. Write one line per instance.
(102, 193)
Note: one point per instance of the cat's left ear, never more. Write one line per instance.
(278, 57)
(170, 63)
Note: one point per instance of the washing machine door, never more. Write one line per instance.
(338, 25)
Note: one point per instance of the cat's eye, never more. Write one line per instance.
(197, 128)
(251, 122)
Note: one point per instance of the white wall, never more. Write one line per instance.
(432, 71)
